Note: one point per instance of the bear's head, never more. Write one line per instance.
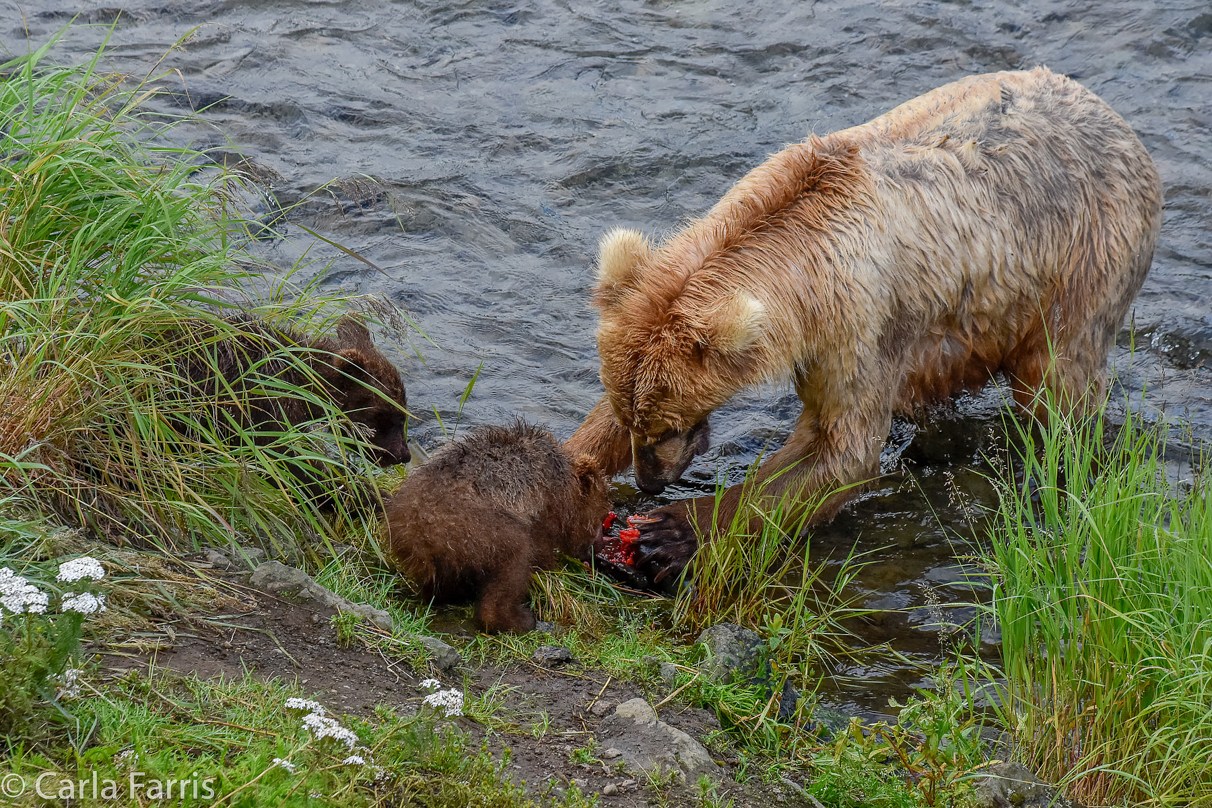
(673, 348)
(369, 390)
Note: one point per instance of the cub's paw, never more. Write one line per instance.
(667, 543)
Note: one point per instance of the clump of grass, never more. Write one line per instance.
(1103, 590)
(117, 257)
(756, 571)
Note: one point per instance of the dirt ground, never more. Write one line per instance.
(274, 638)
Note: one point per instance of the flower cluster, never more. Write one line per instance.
(450, 701)
(320, 725)
(306, 705)
(80, 568)
(82, 602)
(69, 684)
(20, 596)
(431, 684)
(283, 764)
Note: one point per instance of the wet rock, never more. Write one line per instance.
(445, 657)
(646, 743)
(731, 650)
(1012, 785)
(552, 656)
(294, 584)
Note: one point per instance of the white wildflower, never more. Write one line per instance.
(354, 760)
(451, 701)
(323, 727)
(69, 684)
(19, 595)
(77, 568)
(283, 764)
(308, 706)
(127, 757)
(84, 603)
(431, 684)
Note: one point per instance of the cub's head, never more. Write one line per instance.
(369, 390)
(674, 346)
(592, 494)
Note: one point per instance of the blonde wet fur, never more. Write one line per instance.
(999, 224)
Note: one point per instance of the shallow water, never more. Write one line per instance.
(479, 150)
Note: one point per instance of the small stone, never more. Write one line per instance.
(611, 753)
(276, 578)
(216, 559)
(579, 783)
(1011, 785)
(669, 674)
(610, 789)
(731, 649)
(552, 655)
(600, 708)
(627, 784)
(545, 627)
(444, 656)
(645, 742)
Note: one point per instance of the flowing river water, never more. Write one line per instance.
(475, 151)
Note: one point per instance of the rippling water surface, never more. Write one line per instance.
(475, 151)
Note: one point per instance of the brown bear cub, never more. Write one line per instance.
(485, 510)
(241, 373)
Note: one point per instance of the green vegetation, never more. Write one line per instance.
(118, 256)
(1104, 596)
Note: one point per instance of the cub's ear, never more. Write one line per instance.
(587, 472)
(619, 253)
(353, 333)
(737, 325)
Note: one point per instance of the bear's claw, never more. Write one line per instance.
(667, 543)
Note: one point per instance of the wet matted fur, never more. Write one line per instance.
(474, 520)
(999, 224)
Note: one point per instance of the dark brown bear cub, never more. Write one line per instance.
(241, 374)
(472, 522)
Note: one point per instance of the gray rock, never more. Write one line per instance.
(276, 578)
(669, 674)
(731, 650)
(552, 655)
(611, 753)
(216, 559)
(610, 789)
(600, 708)
(1012, 785)
(251, 556)
(444, 656)
(545, 627)
(649, 744)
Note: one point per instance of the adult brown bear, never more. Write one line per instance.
(985, 227)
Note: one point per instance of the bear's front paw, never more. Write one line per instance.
(667, 543)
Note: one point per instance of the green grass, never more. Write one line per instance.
(222, 737)
(1104, 596)
(117, 258)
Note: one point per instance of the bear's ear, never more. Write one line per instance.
(737, 325)
(353, 333)
(619, 253)
(587, 472)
